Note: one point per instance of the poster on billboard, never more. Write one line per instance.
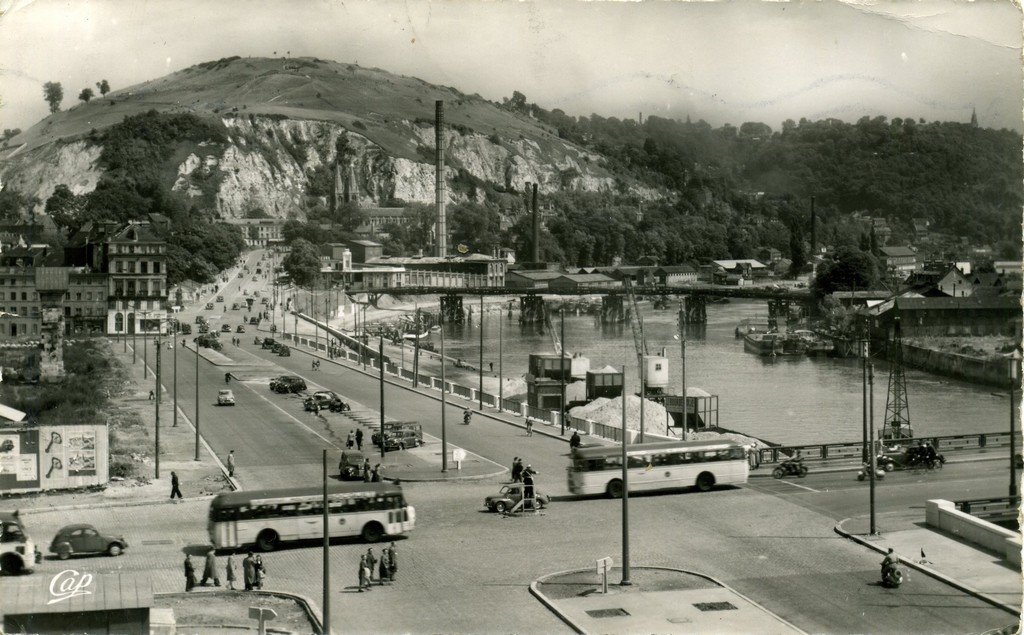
(19, 459)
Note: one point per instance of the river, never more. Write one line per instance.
(789, 400)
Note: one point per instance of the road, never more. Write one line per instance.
(466, 570)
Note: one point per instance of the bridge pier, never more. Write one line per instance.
(451, 309)
(695, 310)
(532, 309)
(613, 309)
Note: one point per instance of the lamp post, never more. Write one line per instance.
(380, 360)
(625, 491)
(444, 403)
(480, 392)
(416, 353)
(174, 345)
(196, 458)
(682, 363)
(501, 383)
(561, 370)
(134, 326)
(145, 347)
(156, 410)
(1014, 382)
(864, 354)
(871, 435)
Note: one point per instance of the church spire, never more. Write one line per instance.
(974, 118)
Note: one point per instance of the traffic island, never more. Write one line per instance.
(657, 600)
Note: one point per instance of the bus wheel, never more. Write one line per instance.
(267, 540)
(373, 532)
(10, 564)
(705, 481)
(614, 489)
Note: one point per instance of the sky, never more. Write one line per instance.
(724, 62)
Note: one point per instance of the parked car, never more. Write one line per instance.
(225, 398)
(401, 439)
(200, 319)
(322, 398)
(220, 298)
(207, 340)
(18, 553)
(264, 301)
(225, 328)
(350, 470)
(255, 279)
(235, 306)
(204, 328)
(284, 351)
(287, 384)
(253, 321)
(268, 342)
(240, 329)
(209, 306)
(185, 329)
(84, 539)
(510, 494)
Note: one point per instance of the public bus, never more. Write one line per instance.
(663, 465)
(266, 518)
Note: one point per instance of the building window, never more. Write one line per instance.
(24, 296)
(145, 266)
(78, 296)
(35, 329)
(156, 267)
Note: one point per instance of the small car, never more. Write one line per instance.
(268, 342)
(401, 439)
(225, 328)
(240, 329)
(200, 319)
(225, 398)
(264, 301)
(287, 383)
(185, 329)
(208, 340)
(253, 321)
(209, 306)
(321, 398)
(284, 351)
(256, 294)
(204, 328)
(220, 298)
(76, 539)
(349, 470)
(235, 306)
(510, 494)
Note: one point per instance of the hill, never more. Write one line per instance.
(282, 120)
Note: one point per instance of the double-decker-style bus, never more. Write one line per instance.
(265, 518)
(669, 464)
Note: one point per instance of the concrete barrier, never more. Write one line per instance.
(944, 515)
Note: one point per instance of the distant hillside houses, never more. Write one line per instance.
(900, 259)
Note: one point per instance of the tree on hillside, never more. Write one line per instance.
(65, 208)
(103, 87)
(85, 95)
(850, 269)
(12, 204)
(11, 133)
(303, 263)
(53, 93)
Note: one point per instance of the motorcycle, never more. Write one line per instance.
(863, 472)
(790, 467)
(892, 577)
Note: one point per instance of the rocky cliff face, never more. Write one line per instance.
(267, 162)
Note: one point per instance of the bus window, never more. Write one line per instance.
(636, 461)
(612, 463)
(661, 459)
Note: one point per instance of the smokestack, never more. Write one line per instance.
(814, 228)
(536, 227)
(441, 229)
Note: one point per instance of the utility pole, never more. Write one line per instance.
(561, 369)
(145, 348)
(871, 432)
(480, 392)
(501, 383)
(380, 360)
(864, 354)
(174, 344)
(444, 403)
(156, 409)
(326, 601)
(197, 403)
(1014, 383)
(682, 363)
(625, 490)
(416, 353)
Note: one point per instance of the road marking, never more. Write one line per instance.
(809, 489)
(293, 418)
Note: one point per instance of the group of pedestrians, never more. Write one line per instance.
(253, 571)
(386, 567)
(524, 475)
(355, 439)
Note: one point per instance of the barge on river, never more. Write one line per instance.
(772, 344)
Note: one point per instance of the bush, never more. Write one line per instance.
(359, 125)
(122, 467)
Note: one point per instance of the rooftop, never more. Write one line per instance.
(898, 251)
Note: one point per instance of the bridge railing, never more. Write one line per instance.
(854, 449)
(1002, 508)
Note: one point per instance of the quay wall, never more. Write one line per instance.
(973, 369)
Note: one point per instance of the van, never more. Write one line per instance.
(18, 554)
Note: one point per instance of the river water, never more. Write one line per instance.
(788, 400)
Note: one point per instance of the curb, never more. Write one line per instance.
(535, 591)
(928, 571)
(112, 504)
(314, 615)
(477, 477)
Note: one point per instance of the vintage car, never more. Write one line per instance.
(399, 435)
(200, 319)
(268, 342)
(350, 468)
(253, 321)
(83, 539)
(209, 306)
(510, 494)
(283, 351)
(185, 329)
(220, 298)
(240, 329)
(225, 328)
(225, 398)
(287, 383)
(322, 399)
(235, 306)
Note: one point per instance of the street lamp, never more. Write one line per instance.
(444, 429)
(625, 490)
(1014, 383)
(380, 360)
(561, 369)
(871, 436)
(480, 392)
(864, 354)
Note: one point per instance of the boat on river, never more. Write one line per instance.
(416, 336)
(772, 344)
(816, 345)
(752, 325)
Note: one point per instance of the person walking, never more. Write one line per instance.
(231, 463)
(249, 571)
(517, 470)
(364, 582)
(384, 568)
(175, 490)
(190, 573)
(210, 569)
(375, 475)
(229, 573)
(367, 471)
(392, 562)
(261, 572)
(371, 563)
(528, 487)
(152, 395)
(342, 464)
(359, 439)
(350, 442)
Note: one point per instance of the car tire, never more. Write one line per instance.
(540, 504)
(64, 553)
(114, 550)
(11, 564)
(500, 507)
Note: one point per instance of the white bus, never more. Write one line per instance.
(699, 464)
(265, 518)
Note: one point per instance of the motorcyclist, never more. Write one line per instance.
(466, 416)
(574, 440)
(227, 378)
(889, 563)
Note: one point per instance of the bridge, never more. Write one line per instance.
(532, 308)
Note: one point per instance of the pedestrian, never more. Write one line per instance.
(152, 395)
(364, 574)
(392, 563)
(371, 563)
(231, 464)
(385, 567)
(175, 490)
(314, 365)
(342, 464)
(492, 366)
(350, 442)
(359, 439)
(367, 471)
(249, 571)
(375, 475)
(210, 569)
(261, 571)
(229, 573)
(529, 427)
(517, 470)
(190, 573)
(574, 440)
(528, 487)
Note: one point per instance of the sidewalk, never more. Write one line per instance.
(922, 549)
(659, 600)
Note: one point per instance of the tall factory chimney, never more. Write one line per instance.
(441, 230)
(536, 227)
(814, 229)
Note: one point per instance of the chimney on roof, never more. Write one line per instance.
(441, 239)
